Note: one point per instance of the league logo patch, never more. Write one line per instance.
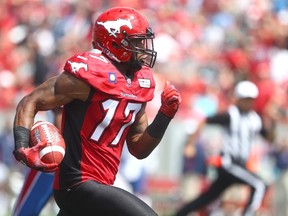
(112, 77)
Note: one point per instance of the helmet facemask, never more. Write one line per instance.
(142, 47)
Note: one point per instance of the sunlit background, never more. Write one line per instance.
(204, 47)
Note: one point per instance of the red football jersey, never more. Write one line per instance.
(95, 130)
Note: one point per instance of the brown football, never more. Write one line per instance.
(54, 150)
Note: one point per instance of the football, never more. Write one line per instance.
(54, 150)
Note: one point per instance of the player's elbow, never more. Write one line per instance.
(139, 151)
(140, 157)
(139, 154)
(142, 146)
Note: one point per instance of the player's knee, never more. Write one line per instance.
(63, 213)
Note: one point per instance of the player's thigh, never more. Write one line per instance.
(91, 198)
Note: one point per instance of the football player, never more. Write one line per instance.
(104, 94)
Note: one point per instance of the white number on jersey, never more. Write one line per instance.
(111, 106)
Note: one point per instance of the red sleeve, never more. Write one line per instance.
(97, 71)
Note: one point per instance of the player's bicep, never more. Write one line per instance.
(40, 99)
(139, 142)
(45, 97)
(53, 93)
(69, 87)
(138, 127)
(58, 91)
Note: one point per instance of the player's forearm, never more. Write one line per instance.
(25, 113)
(23, 121)
(143, 145)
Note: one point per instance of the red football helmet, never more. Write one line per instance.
(121, 31)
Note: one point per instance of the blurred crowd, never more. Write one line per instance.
(204, 47)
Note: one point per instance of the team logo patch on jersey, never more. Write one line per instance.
(112, 77)
(113, 27)
(144, 83)
(76, 66)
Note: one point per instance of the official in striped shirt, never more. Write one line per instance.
(241, 125)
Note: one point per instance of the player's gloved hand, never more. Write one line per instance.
(170, 100)
(30, 157)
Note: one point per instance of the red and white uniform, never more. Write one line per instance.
(95, 130)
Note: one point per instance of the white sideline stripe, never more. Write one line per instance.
(52, 148)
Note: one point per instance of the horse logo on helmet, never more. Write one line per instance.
(113, 27)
